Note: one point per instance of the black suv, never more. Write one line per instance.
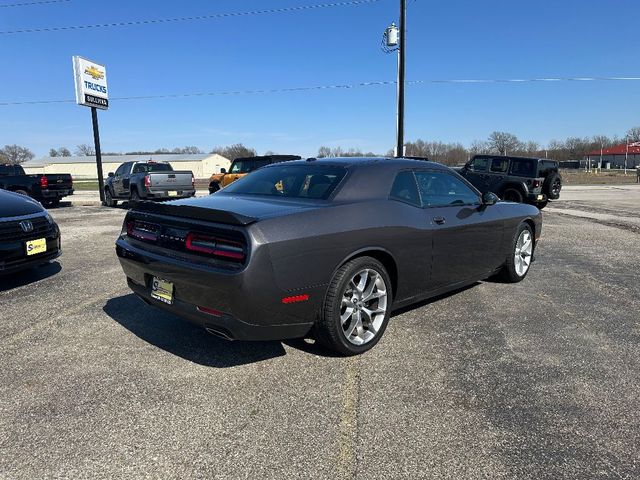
(515, 179)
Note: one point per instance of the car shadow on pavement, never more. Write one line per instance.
(183, 339)
(20, 279)
(428, 301)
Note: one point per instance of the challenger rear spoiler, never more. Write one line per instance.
(197, 213)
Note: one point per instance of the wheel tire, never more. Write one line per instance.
(108, 198)
(134, 197)
(552, 186)
(512, 271)
(214, 187)
(541, 205)
(21, 192)
(54, 202)
(512, 195)
(330, 331)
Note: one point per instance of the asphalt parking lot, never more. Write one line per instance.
(535, 380)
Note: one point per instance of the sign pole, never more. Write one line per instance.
(401, 55)
(96, 141)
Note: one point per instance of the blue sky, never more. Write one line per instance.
(450, 39)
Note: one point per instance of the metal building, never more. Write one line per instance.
(615, 156)
(202, 165)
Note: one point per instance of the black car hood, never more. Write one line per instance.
(14, 205)
(232, 209)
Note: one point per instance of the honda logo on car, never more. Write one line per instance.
(91, 83)
(26, 226)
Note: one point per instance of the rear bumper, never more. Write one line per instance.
(244, 305)
(53, 194)
(536, 198)
(152, 194)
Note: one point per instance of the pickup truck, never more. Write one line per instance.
(135, 181)
(48, 189)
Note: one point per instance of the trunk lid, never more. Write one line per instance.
(229, 209)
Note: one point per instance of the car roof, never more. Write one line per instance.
(400, 162)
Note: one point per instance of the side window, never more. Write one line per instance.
(499, 165)
(404, 189)
(120, 170)
(6, 170)
(479, 164)
(140, 168)
(523, 167)
(235, 168)
(440, 189)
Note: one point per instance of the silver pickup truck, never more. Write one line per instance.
(135, 181)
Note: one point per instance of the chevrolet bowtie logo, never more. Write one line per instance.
(94, 72)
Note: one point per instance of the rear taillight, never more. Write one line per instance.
(44, 182)
(193, 181)
(215, 246)
(536, 183)
(147, 232)
(147, 181)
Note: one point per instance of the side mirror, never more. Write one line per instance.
(489, 198)
(110, 174)
(223, 170)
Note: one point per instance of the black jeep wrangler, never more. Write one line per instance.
(515, 179)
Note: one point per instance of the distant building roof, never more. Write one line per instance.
(177, 157)
(634, 149)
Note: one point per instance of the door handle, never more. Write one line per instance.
(439, 220)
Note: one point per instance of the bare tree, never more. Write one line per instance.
(16, 154)
(634, 134)
(59, 152)
(479, 147)
(503, 142)
(324, 152)
(235, 151)
(85, 150)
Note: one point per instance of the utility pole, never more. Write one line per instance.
(401, 56)
(626, 155)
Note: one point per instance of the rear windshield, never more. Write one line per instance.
(291, 181)
(152, 167)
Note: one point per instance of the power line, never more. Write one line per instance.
(345, 86)
(213, 16)
(29, 4)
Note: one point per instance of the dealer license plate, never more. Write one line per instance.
(173, 193)
(162, 290)
(35, 247)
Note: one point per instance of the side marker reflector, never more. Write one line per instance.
(210, 311)
(295, 299)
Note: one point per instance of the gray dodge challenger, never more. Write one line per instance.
(323, 247)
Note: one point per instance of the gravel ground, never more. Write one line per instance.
(534, 380)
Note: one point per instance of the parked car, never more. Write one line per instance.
(135, 181)
(325, 247)
(241, 166)
(28, 235)
(48, 189)
(516, 179)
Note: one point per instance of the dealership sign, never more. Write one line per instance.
(91, 83)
